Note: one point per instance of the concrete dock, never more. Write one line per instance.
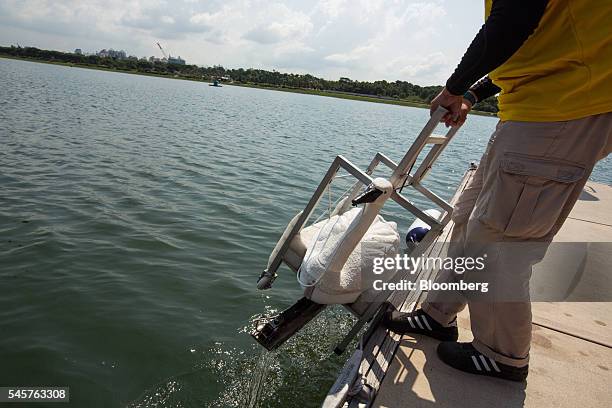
(571, 354)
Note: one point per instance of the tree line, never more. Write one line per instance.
(400, 90)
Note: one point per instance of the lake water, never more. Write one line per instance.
(136, 214)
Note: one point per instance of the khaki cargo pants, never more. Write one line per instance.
(528, 180)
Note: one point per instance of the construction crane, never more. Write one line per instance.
(169, 59)
(162, 50)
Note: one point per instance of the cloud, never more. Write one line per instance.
(276, 32)
(205, 19)
(413, 40)
(280, 24)
(427, 66)
(332, 8)
(355, 54)
(85, 20)
(164, 20)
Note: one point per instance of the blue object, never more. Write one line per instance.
(416, 235)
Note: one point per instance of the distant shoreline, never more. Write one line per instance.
(332, 94)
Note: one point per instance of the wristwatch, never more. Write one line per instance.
(470, 96)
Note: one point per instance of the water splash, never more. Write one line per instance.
(298, 374)
(258, 377)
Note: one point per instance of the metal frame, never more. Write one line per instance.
(400, 178)
(339, 163)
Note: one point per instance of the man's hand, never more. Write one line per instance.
(450, 102)
(466, 107)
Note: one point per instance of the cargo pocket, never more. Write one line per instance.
(529, 195)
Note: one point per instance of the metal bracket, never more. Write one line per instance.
(400, 177)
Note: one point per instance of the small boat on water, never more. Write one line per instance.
(216, 83)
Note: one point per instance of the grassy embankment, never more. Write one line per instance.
(333, 94)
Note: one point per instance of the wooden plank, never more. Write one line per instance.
(565, 372)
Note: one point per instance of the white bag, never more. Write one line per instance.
(325, 281)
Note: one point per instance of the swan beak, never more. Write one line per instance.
(368, 196)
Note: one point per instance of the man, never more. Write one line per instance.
(551, 63)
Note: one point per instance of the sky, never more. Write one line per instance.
(416, 41)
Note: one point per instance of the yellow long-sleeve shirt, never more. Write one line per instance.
(563, 71)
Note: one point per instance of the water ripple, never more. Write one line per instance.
(136, 214)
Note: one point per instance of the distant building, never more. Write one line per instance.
(346, 80)
(112, 54)
(169, 60)
(178, 60)
(78, 51)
